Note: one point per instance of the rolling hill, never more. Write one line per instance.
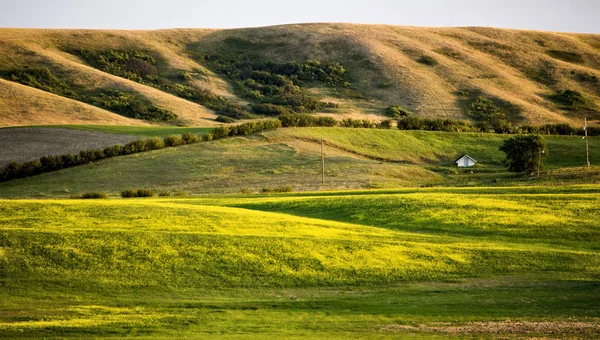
(191, 73)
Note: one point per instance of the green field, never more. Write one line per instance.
(483, 254)
(355, 159)
(333, 264)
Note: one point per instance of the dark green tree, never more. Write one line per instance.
(524, 152)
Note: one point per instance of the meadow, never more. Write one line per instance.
(355, 159)
(372, 264)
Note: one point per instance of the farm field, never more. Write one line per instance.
(355, 159)
(28, 144)
(519, 262)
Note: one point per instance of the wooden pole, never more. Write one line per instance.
(322, 163)
(587, 144)
(539, 163)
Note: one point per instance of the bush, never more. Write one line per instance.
(524, 152)
(173, 140)
(385, 124)
(447, 125)
(270, 109)
(137, 193)
(91, 155)
(129, 193)
(190, 138)
(396, 112)
(305, 120)
(277, 86)
(155, 143)
(93, 195)
(427, 60)
(244, 129)
(224, 119)
(181, 193)
(113, 151)
(130, 104)
(277, 190)
(43, 79)
(164, 194)
(358, 123)
(571, 100)
(135, 146)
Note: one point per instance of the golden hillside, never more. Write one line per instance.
(433, 72)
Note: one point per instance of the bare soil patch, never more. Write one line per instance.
(28, 144)
(552, 329)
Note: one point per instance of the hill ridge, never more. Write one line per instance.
(432, 71)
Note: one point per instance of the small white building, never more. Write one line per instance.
(465, 161)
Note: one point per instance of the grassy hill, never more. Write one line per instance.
(290, 158)
(434, 72)
(368, 264)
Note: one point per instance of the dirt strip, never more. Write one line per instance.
(553, 329)
(28, 144)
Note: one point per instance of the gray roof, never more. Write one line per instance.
(463, 156)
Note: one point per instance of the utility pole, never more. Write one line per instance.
(322, 163)
(587, 144)
(539, 162)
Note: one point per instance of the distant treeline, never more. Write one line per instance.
(453, 125)
(16, 170)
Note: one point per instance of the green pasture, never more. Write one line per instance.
(355, 159)
(417, 263)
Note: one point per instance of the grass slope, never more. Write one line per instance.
(519, 70)
(328, 268)
(355, 158)
(22, 105)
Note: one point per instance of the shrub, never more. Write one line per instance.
(130, 104)
(224, 119)
(43, 79)
(91, 155)
(570, 57)
(173, 140)
(524, 152)
(94, 195)
(129, 193)
(448, 125)
(113, 151)
(277, 190)
(137, 193)
(358, 123)
(277, 84)
(570, 99)
(270, 109)
(164, 194)
(305, 120)
(396, 112)
(427, 60)
(189, 138)
(385, 124)
(135, 146)
(181, 193)
(155, 143)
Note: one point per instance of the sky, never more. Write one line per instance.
(549, 15)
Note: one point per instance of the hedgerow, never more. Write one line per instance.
(16, 170)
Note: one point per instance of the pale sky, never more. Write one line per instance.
(550, 15)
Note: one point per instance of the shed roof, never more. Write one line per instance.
(463, 156)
